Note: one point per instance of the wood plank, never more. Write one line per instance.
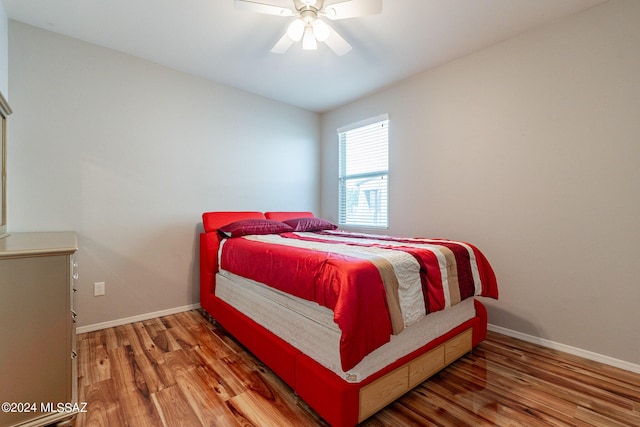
(226, 381)
(250, 408)
(593, 418)
(174, 408)
(145, 361)
(296, 408)
(111, 338)
(103, 406)
(133, 393)
(93, 362)
(203, 398)
(248, 411)
(121, 336)
(143, 344)
(398, 414)
(157, 332)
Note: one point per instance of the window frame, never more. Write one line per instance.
(382, 222)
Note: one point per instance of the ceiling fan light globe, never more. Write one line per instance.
(309, 41)
(320, 30)
(296, 30)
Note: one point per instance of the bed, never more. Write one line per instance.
(347, 344)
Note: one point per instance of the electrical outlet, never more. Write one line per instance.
(98, 289)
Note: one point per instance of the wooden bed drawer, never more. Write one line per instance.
(388, 388)
(458, 346)
(426, 365)
(383, 391)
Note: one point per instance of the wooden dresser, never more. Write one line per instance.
(38, 367)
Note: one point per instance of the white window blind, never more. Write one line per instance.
(363, 173)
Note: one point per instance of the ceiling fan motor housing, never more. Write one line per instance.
(308, 27)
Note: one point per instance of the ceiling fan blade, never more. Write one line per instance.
(337, 43)
(343, 9)
(273, 7)
(283, 44)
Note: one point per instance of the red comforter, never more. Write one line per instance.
(358, 290)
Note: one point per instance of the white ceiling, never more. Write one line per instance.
(210, 38)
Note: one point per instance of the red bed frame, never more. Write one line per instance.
(339, 402)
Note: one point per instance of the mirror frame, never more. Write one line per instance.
(5, 110)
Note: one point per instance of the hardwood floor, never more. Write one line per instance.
(181, 370)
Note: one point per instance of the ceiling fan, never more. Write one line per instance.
(308, 25)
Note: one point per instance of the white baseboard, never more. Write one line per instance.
(567, 349)
(132, 319)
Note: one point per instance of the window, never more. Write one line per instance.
(363, 173)
(5, 110)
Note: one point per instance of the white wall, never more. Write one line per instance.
(531, 150)
(129, 154)
(4, 52)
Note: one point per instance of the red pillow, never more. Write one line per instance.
(253, 226)
(310, 224)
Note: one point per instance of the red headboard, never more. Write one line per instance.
(214, 220)
(210, 241)
(283, 216)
